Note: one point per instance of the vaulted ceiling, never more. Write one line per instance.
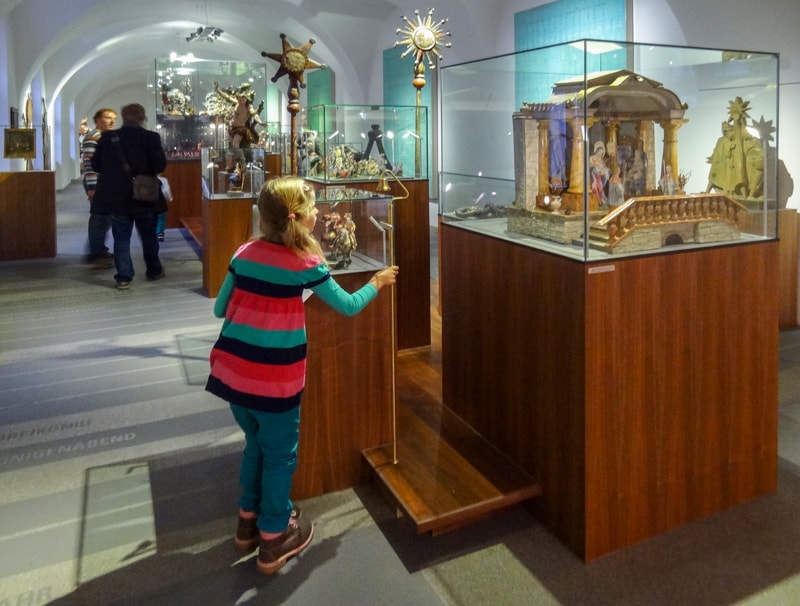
(81, 48)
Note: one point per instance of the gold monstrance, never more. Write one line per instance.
(422, 39)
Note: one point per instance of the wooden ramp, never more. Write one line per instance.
(446, 475)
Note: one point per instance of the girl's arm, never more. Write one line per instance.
(221, 304)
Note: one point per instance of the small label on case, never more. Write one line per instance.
(602, 269)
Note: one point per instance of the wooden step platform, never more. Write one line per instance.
(194, 225)
(446, 475)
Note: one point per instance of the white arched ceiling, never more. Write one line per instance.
(77, 52)
(94, 41)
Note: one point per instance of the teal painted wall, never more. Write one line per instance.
(558, 22)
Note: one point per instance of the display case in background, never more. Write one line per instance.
(190, 114)
(230, 172)
(616, 140)
(358, 142)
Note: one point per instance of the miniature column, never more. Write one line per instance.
(670, 151)
(645, 134)
(577, 159)
(544, 156)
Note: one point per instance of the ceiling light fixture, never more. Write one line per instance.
(207, 33)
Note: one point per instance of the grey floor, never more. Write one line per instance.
(118, 477)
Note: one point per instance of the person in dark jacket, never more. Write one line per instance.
(142, 150)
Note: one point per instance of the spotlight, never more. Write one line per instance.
(207, 33)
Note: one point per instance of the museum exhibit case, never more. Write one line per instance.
(359, 145)
(193, 104)
(230, 171)
(599, 149)
(230, 182)
(610, 209)
(358, 142)
(354, 228)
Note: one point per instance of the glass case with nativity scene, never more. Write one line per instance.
(230, 172)
(354, 227)
(597, 149)
(210, 104)
(359, 142)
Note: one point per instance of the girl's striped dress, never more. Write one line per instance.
(259, 359)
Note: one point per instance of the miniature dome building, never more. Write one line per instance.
(618, 110)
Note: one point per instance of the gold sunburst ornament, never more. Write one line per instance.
(422, 39)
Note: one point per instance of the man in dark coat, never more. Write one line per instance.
(141, 149)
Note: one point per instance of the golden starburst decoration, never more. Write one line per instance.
(293, 61)
(738, 110)
(423, 38)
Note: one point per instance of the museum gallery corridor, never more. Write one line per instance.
(118, 477)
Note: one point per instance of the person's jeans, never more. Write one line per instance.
(98, 229)
(268, 463)
(121, 229)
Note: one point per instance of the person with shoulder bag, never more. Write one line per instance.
(131, 153)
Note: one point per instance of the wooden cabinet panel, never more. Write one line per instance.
(28, 215)
(641, 397)
(347, 403)
(227, 224)
(184, 181)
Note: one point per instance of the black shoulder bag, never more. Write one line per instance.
(146, 188)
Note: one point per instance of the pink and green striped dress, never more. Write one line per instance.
(259, 359)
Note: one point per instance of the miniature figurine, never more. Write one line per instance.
(737, 162)
(243, 116)
(616, 189)
(340, 236)
(598, 172)
(667, 182)
(237, 178)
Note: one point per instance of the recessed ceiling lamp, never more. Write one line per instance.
(207, 33)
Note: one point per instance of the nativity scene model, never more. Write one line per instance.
(632, 204)
(615, 161)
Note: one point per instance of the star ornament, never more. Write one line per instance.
(765, 129)
(423, 38)
(738, 110)
(293, 61)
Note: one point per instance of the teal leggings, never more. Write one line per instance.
(268, 463)
(161, 223)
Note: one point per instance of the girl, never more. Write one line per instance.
(258, 364)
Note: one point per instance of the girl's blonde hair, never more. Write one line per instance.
(283, 203)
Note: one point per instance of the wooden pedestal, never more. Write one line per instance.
(184, 181)
(28, 215)
(347, 403)
(227, 224)
(642, 393)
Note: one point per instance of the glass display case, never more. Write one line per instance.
(354, 228)
(195, 100)
(599, 149)
(358, 142)
(230, 172)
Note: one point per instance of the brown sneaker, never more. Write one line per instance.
(274, 553)
(247, 534)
